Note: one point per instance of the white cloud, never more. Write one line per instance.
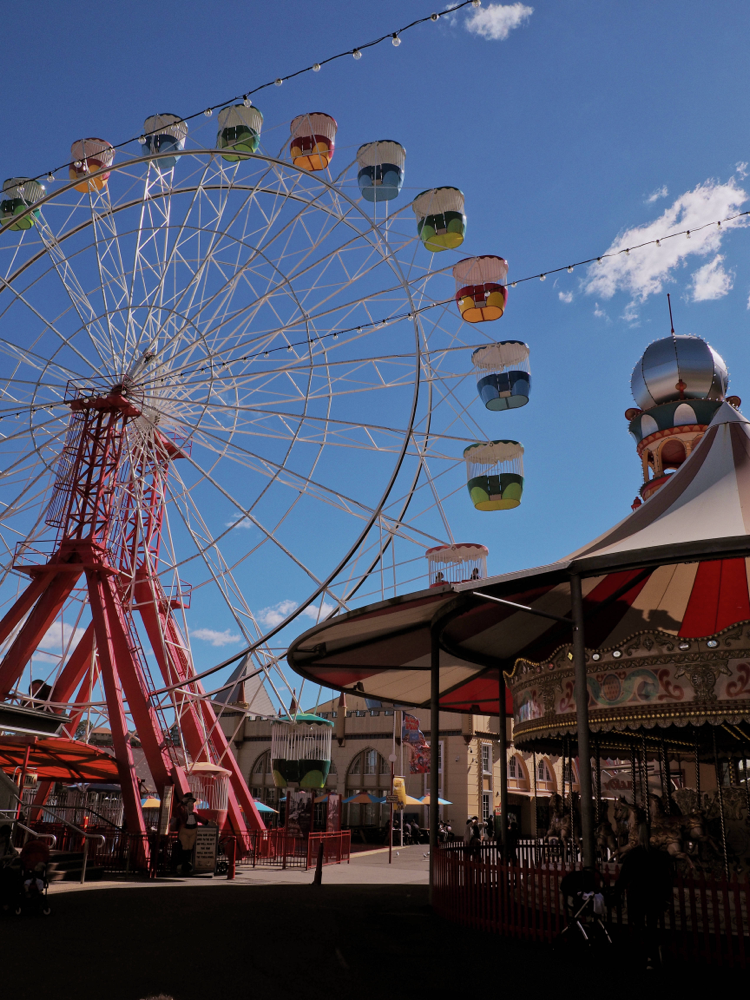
(225, 638)
(711, 281)
(631, 315)
(239, 522)
(600, 313)
(741, 169)
(661, 192)
(565, 297)
(59, 638)
(273, 616)
(318, 614)
(496, 21)
(645, 271)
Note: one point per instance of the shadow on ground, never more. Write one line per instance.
(239, 941)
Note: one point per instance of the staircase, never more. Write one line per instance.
(66, 866)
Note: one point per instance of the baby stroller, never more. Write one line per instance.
(585, 909)
(33, 879)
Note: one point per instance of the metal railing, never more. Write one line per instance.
(706, 918)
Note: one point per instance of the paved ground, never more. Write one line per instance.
(366, 932)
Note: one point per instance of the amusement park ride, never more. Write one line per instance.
(199, 341)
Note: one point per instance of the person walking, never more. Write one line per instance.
(646, 878)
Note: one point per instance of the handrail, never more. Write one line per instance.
(38, 835)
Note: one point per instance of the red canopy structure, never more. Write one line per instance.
(57, 759)
(678, 566)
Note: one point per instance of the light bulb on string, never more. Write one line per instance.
(687, 234)
(278, 82)
(208, 112)
(513, 284)
(356, 54)
(599, 260)
(658, 243)
(542, 277)
(395, 40)
(50, 178)
(246, 101)
(434, 17)
(570, 268)
(142, 139)
(316, 67)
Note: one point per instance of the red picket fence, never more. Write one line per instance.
(707, 919)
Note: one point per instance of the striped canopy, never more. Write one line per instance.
(678, 564)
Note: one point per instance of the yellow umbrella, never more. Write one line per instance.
(411, 801)
(441, 802)
(150, 803)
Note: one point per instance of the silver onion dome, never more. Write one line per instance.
(683, 358)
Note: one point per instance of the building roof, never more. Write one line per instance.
(678, 564)
(247, 690)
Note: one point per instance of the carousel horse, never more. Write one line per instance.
(560, 826)
(628, 818)
(667, 832)
(606, 841)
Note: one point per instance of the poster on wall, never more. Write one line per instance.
(333, 816)
(417, 745)
(299, 812)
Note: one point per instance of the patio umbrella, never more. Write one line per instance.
(411, 801)
(425, 801)
(263, 808)
(364, 799)
(150, 803)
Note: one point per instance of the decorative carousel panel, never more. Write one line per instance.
(653, 680)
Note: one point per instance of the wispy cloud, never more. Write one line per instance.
(711, 281)
(59, 637)
(225, 638)
(661, 192)
(600, 313)
(496, 21)
(645, 272)
(741, 169)
(239, 522)
(274, 615)
(566, 297)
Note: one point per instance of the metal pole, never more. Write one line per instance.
(722, 818)
(434, 749)
(24, 769)
(503, 744)
(582, 719)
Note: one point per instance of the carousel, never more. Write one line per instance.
(629, 658)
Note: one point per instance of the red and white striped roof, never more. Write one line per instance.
(678, 564)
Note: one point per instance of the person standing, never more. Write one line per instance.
(647, 878)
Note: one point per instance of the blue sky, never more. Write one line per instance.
(567, 124)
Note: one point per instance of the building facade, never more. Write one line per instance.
(367, 737)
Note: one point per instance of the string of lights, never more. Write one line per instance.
(215, 364)
(393, 36)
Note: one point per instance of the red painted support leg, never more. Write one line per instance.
(34, 629)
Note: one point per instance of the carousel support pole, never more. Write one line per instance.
(697, 775)
(644, 788)
(666, 778)
(502, 739)
(536, 811)
(582, 718)
(721, 805)
(434, 750)
(633, 775)
(598, 765)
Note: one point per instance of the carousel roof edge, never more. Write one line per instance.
(696, 550)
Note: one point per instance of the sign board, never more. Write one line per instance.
(333, 815)
(392, 799)
(299, 812)
(204, 852)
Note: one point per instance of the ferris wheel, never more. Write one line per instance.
(235, 389)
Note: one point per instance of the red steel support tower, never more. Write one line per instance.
(108, 508)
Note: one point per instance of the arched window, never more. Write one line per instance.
(369, 772)
(369, 764)
(545, 778)
(263, 764)
(518, 776)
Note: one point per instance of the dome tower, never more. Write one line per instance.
(678, 384)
